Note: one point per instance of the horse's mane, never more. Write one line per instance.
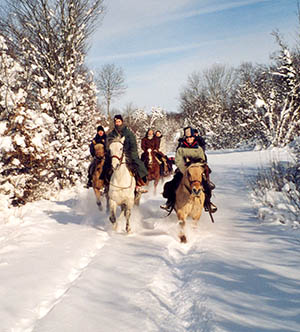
(128, 159)
(114, 139)
(195, 161)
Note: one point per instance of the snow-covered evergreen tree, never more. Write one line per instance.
(50, 41)
(26, 152)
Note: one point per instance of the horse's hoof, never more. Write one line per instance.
(182, 238)
(99, 206)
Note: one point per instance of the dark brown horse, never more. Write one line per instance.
(98, 184)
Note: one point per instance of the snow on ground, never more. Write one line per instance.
(63, 269)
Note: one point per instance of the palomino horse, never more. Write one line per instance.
(98, 184)
(152, 164)
(122, 184)
(190, 197)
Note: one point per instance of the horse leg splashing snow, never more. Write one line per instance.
(121, 186)
(153, 169)
(190, 197)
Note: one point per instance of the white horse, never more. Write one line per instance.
(121, 185)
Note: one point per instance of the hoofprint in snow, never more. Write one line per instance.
(63, 269)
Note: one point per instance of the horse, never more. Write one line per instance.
(166, 165)
(152, 164)
(190, 197)
(121, 191)
(98, 184)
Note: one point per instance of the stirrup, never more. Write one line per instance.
(166, 207)
(213, 208)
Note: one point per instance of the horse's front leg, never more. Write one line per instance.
(181, 222)
(98, 198)
(155, 185)
(127, 213)
(112, 213)
(182, 235)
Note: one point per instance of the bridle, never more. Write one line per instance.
(121, 162)
(119, 158)
(193, 182)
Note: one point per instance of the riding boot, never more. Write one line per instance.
(167, 206)
(89, 183)
(212, 186)
(209, 206)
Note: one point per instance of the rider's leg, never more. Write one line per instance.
(208, 205)
(170, 191)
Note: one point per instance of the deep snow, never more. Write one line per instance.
(63, 269)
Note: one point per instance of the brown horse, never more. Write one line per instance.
(152, 164)
(166, 168)
(98, 184)
(190, 197)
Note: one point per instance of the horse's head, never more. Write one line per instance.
(116, 148)
(99, 150)
(194, 177)
(149, 157)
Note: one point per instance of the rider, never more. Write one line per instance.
(199, 139)
(100, 138)
(130, 148)
(161, 141)
(149, 143)
(166, 163)
(187, 152)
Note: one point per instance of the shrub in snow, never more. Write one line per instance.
(276, 193)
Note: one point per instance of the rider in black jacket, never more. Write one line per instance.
(100, 138)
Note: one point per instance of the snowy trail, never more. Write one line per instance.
(62, 269)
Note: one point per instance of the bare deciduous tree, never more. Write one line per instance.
(110, 81)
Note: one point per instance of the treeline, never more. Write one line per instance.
(251, 104)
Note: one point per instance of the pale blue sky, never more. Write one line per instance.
(158, 43)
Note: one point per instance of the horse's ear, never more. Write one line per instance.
(123, 139)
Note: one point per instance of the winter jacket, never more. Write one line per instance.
(152, 144)
(186, 153)
(130, 148)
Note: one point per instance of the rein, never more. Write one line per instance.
(191, 182)
(119, 158)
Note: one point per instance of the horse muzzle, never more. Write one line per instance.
(196, 191)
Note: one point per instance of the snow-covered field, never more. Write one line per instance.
(63, 269)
